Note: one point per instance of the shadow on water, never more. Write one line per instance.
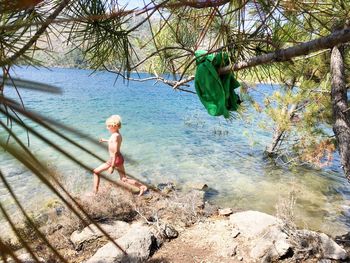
(210, 193)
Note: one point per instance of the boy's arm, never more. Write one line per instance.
(102, 140)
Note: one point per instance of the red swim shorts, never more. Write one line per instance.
(119, 160)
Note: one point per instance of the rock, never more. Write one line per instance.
(252, 223)
(115, 230)
(170, 232)
(271, 245)
(322, 243)
(139, 243)
(282, 246)
(268, 239)
(262, 234)
(225, 211)
(324, 261)
(166, 188)
(330, 249)
(343, 239)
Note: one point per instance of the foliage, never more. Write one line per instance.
(104, 41)
(302, 110)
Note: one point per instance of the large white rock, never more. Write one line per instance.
(115, 230)
(262, 235)
(272, 245)
(253, 223)
(138, 243)
(269, 239)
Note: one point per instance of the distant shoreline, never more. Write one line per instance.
(247, 81)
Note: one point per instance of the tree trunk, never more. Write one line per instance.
(341, 115)
(276, 139)
(279, 133)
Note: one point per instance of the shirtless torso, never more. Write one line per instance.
(114, 144)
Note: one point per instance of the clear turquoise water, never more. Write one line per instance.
(169, 137)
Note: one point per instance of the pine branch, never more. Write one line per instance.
(172, 83)
(10, 60)
(334, 39)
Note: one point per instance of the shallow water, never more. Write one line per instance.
(169, 137)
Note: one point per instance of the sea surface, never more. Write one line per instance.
(169, 137)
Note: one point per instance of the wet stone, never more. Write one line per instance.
(225, 211)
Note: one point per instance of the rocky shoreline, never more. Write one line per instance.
(172, 226)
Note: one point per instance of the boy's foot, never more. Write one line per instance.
(143, 189)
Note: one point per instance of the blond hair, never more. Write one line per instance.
(114, 120)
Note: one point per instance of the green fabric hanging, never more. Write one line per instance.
(215, 92)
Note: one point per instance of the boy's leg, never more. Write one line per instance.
(121, 172)
(125, 179)
(97, 171)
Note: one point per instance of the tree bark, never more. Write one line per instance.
(276, 139)
(341, 115)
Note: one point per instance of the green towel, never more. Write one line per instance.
(215, 92)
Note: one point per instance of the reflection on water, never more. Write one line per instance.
(168, 137)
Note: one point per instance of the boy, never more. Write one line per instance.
(116, 160)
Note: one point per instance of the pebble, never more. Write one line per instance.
(170, 232)
(225, 211)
